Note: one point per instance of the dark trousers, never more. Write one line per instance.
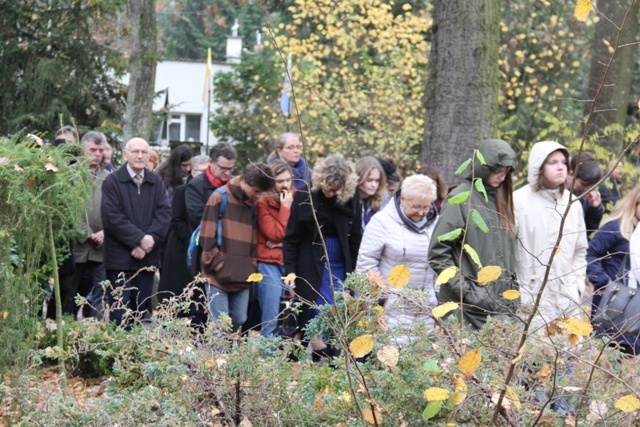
(133, 288)
(70, 286)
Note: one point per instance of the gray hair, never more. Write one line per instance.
(418, 186)
(282, 139)
(93, 136)
(199, 160)
(69, 131)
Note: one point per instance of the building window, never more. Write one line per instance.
(192, 132)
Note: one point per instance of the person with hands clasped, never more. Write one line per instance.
(273, 214)
(135, 214)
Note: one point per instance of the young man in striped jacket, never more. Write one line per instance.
(227, 267)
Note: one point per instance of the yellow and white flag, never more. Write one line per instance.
(207, 77)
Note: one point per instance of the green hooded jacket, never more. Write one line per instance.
(497, 247)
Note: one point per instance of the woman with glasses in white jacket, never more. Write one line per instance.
(400, 234)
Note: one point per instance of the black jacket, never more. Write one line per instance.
(197, 194)
(175, 273)
(302, 249)
(129, 214)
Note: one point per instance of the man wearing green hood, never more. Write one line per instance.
(494, 245)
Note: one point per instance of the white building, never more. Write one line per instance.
(185, 98)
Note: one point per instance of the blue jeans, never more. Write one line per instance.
(269, 292)
(235, 304)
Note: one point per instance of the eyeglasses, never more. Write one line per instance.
(293, 147)
(139, 152)
(423, 209)
(224, 168)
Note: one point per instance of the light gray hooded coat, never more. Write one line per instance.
(538, 216)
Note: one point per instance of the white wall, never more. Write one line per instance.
(185, 81)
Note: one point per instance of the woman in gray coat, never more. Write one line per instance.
(400, 234)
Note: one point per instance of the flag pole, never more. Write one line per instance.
(207, 88)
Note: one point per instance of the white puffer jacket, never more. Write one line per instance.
(388, 242)
(538, 216)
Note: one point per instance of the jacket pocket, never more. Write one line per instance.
(212, 261)
(235, 269)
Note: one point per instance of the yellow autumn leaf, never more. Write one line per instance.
(511, 294)
(488, 274)
(210, 364)
(513, 397)
(436, 394)
(446, 275)
(581, 12)
(5, 314)
(460, 392)
(545, 373)
(389, 355)
(578, 327)
(519, 356)
(289, 277)
(378, 310)
(399, 276)
(255, 277)
(469, 362)
(443, 309)
(473, 254)
(369, 416)
(628, 403)
(362, 345)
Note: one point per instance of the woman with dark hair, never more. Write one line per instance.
(176, 170)
(441, 187)
(337, 209)
(496, 247)
(372, 187)
(539, 208)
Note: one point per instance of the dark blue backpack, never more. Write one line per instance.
(195, 250)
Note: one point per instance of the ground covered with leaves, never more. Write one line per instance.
(164, 375)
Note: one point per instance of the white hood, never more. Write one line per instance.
(539, 153)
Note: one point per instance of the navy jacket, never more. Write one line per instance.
(129, 214)
(606, 252)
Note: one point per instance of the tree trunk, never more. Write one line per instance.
(462, 91)
(142, 69)
(614, 98)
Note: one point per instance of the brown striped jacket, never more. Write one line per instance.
(229, 267)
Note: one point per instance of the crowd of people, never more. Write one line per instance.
(191, 215)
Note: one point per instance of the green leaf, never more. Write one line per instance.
(431, 366)
(463, 166)
(480, 187)
(452, 235)
(473, 254)
(477, 220)
(459, 198)
(432, 410)
(480, 157)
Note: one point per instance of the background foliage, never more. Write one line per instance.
(55, 61)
